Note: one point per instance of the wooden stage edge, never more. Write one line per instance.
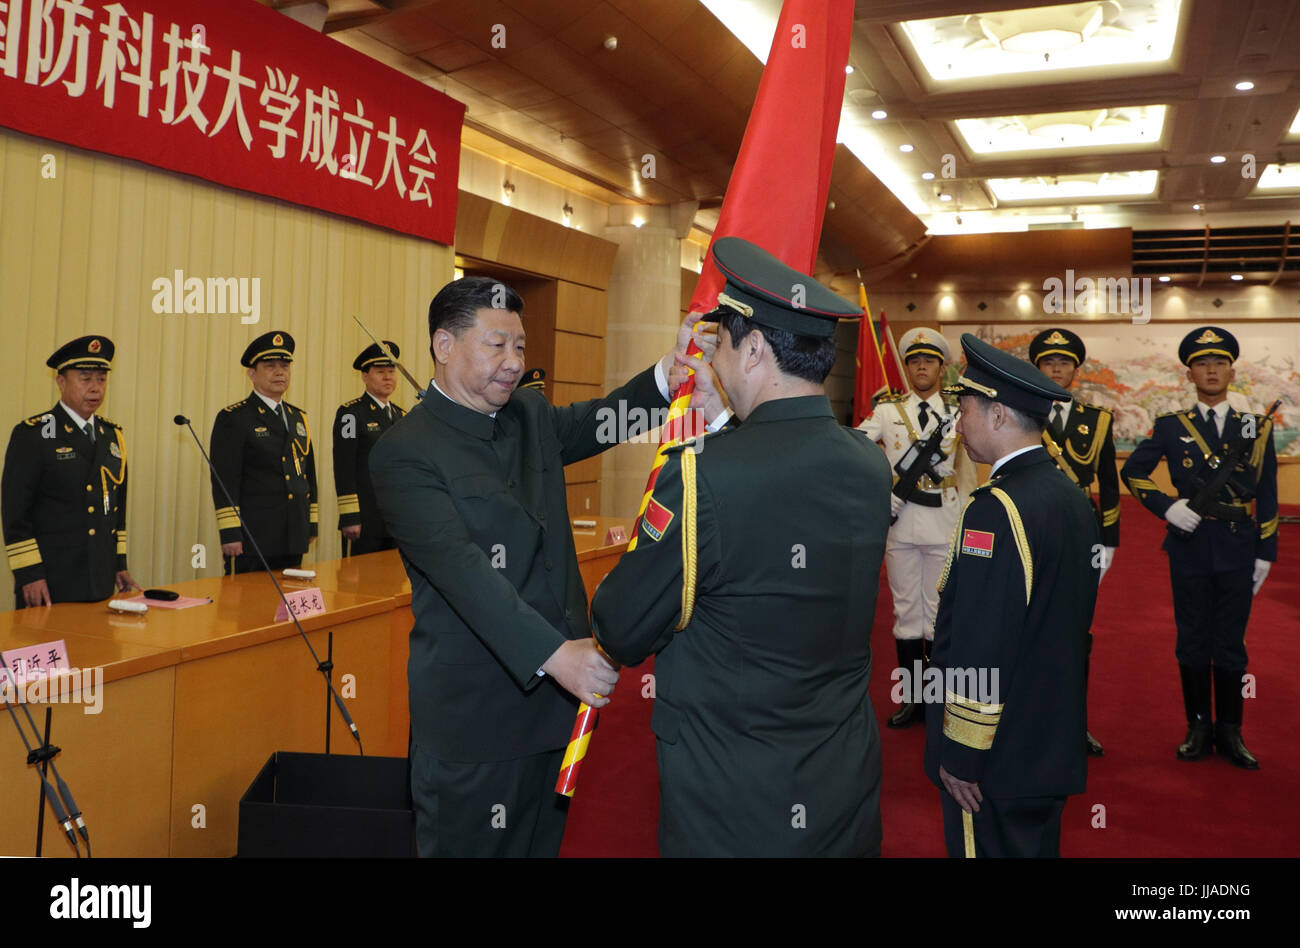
(177, 710)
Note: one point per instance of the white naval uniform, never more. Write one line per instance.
(917, 547)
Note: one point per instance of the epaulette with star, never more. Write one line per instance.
(235, 405)
(891, 398)
(296, 408)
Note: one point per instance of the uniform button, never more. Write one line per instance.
(542, 515)
(92, 533)
(548, 562)
(88, 487)
(90, 510)
(284, 459)
(510, 483)
(286, 477)
(291, 496)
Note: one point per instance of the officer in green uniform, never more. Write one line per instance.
(357, 426)
(471, 484)
(63, 491)
(1015, 604)
(748, 576)
(1219, 557)
(261, 450)
(1078, 436)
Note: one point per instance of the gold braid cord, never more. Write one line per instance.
(689, 545)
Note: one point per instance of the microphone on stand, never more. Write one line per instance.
(182, 421)
(46, 752)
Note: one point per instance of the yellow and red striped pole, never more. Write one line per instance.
(674, 432)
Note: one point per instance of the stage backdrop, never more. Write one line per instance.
(1138, 376)
(239, 94)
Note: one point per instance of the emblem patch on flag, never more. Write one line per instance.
(977, 543)
(656, 520)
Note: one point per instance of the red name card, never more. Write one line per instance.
(34, 661)
(238, 94)
(302, 603)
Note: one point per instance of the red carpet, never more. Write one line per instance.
(1154, 805)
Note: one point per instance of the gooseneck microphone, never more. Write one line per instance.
(182, 421)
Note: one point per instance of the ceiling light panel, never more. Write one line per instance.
(1093, 36)
(1279, 178)
(1135, 128)
(1069, 187)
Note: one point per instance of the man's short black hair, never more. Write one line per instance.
(1027, 423)
(804, 357)
(457, 304)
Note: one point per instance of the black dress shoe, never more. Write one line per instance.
(1227, 738)
(906, 716)
(1197, 743)
(1094, 746)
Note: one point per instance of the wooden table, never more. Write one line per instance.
(195, 700)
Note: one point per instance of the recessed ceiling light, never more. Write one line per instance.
(879, 114)
(945, 196)
(1217, 159)
(1164, 279)
(1245, 85)
(1196, 207)
(1237, 276)
(848, 70)
(927, 175)
(1057, 37)
(905, 148)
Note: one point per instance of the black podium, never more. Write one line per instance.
(328, 805)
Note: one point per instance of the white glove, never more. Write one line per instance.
(895, 504)
(1182, 516)
(1107, 557)
(1261, 573)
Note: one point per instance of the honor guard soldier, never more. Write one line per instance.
(262, 451)
(1220, 460)
(749, 574)
(1015, 603)
(357, 426)
(63, 491)
(1078, 436)
(929, 491)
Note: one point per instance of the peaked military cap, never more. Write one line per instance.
(1059, 342)
(85, 352)
(763, 289)
(1207, 341)
(1004, 378)
(276, 344)
(924, 342)
(534, 378)
(372, 356)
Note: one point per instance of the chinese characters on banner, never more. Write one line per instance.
(239, 94)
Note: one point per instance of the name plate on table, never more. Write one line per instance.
(615, 535)
(34, 661)
(302, 602)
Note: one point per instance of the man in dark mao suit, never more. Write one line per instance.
(471, 484)
(1015, 605)
(767, 743)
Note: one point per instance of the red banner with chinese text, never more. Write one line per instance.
(239, 94)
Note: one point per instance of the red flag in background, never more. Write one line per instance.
(871, 380)
(777, 194)
(893, 363)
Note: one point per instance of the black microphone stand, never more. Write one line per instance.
(324, 667)
(43, 756)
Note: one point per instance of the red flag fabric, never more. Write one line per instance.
(777, 194)
(870, 380)
(893, 363)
